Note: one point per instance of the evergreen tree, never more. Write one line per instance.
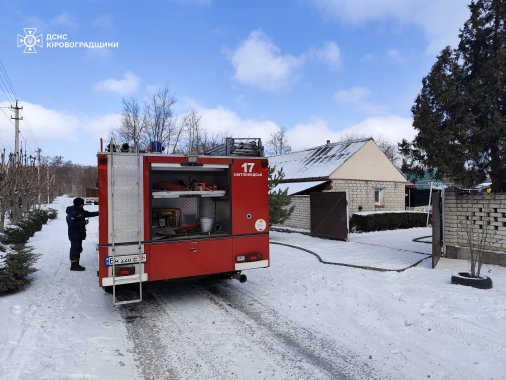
(460, 113)
(15, 268)
(279, 201)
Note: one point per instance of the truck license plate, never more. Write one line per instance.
(121, 260)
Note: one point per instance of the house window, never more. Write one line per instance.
(379, 197)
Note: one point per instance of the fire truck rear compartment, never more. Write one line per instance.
(177, 214)
(181, 219)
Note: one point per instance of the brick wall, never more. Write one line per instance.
(463, 212)
(361, 193)
(300, 217)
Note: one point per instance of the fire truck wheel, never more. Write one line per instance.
(107, 289)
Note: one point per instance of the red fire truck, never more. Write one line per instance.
(174, 216)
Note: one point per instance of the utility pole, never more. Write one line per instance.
(17, 118)
(38, 175)
(47, 180)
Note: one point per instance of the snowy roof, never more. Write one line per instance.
(297, 187)
(427, 184)
(318, 162)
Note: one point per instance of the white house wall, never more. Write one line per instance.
(361, 194)
(368, 163)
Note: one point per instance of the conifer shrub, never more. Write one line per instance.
(41, 215)
(280, 207)
(17, 264)
(28, 225)
(15, 268)
(14, 234)
(52, 213)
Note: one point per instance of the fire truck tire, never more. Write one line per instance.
(107, 289)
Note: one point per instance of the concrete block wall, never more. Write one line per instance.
(461, 211)
(300, 217)
(361, 193)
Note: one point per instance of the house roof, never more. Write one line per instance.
(423, 182)
(297, 187)
(316, 163)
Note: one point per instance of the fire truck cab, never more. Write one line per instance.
(174, 216)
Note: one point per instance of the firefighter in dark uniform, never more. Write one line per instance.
(76, 221)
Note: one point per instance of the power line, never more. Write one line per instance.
(27, 142)
(9, 83)
(30, 130)
(7, 116)
(4, 89)
(8, 89)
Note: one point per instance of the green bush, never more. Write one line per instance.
(381, 221)
(15, 268)
(16, 265)
(36, 220)
(41, 215)
(14, 235)
(28, 225)
(52, 213)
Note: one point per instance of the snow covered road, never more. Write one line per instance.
(299, 319)
(225, 330)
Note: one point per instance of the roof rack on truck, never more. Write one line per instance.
(249, 147)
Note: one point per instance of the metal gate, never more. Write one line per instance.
(436, 227)
(329, 215)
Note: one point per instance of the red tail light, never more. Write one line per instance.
(124, 271)
(248, 257)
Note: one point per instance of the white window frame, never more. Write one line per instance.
(379, 194)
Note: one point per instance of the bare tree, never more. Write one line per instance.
(132, 125)
(477, 228)
(278, 142)
(160, 120)
(190, 125)
(194, 138)
(18, 187)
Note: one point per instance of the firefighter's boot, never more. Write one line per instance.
(74, 265)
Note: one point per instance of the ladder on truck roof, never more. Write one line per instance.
(126, 203)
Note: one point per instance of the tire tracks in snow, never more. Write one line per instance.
(314, 348)
(190, 330)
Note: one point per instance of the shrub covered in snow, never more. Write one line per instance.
(26, 227)
(14, 235)
(381, 221)
(52, 213)
(41, 215)
(16, 264)
(15, 268)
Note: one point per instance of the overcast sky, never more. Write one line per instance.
(320, 68)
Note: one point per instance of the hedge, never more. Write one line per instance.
(26, 227)
(381, 221)
(16, 264)
(14, 270)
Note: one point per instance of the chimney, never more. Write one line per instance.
(328, 142)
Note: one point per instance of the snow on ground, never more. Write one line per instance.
(63, 326)
(390, 250)
(298, 319)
